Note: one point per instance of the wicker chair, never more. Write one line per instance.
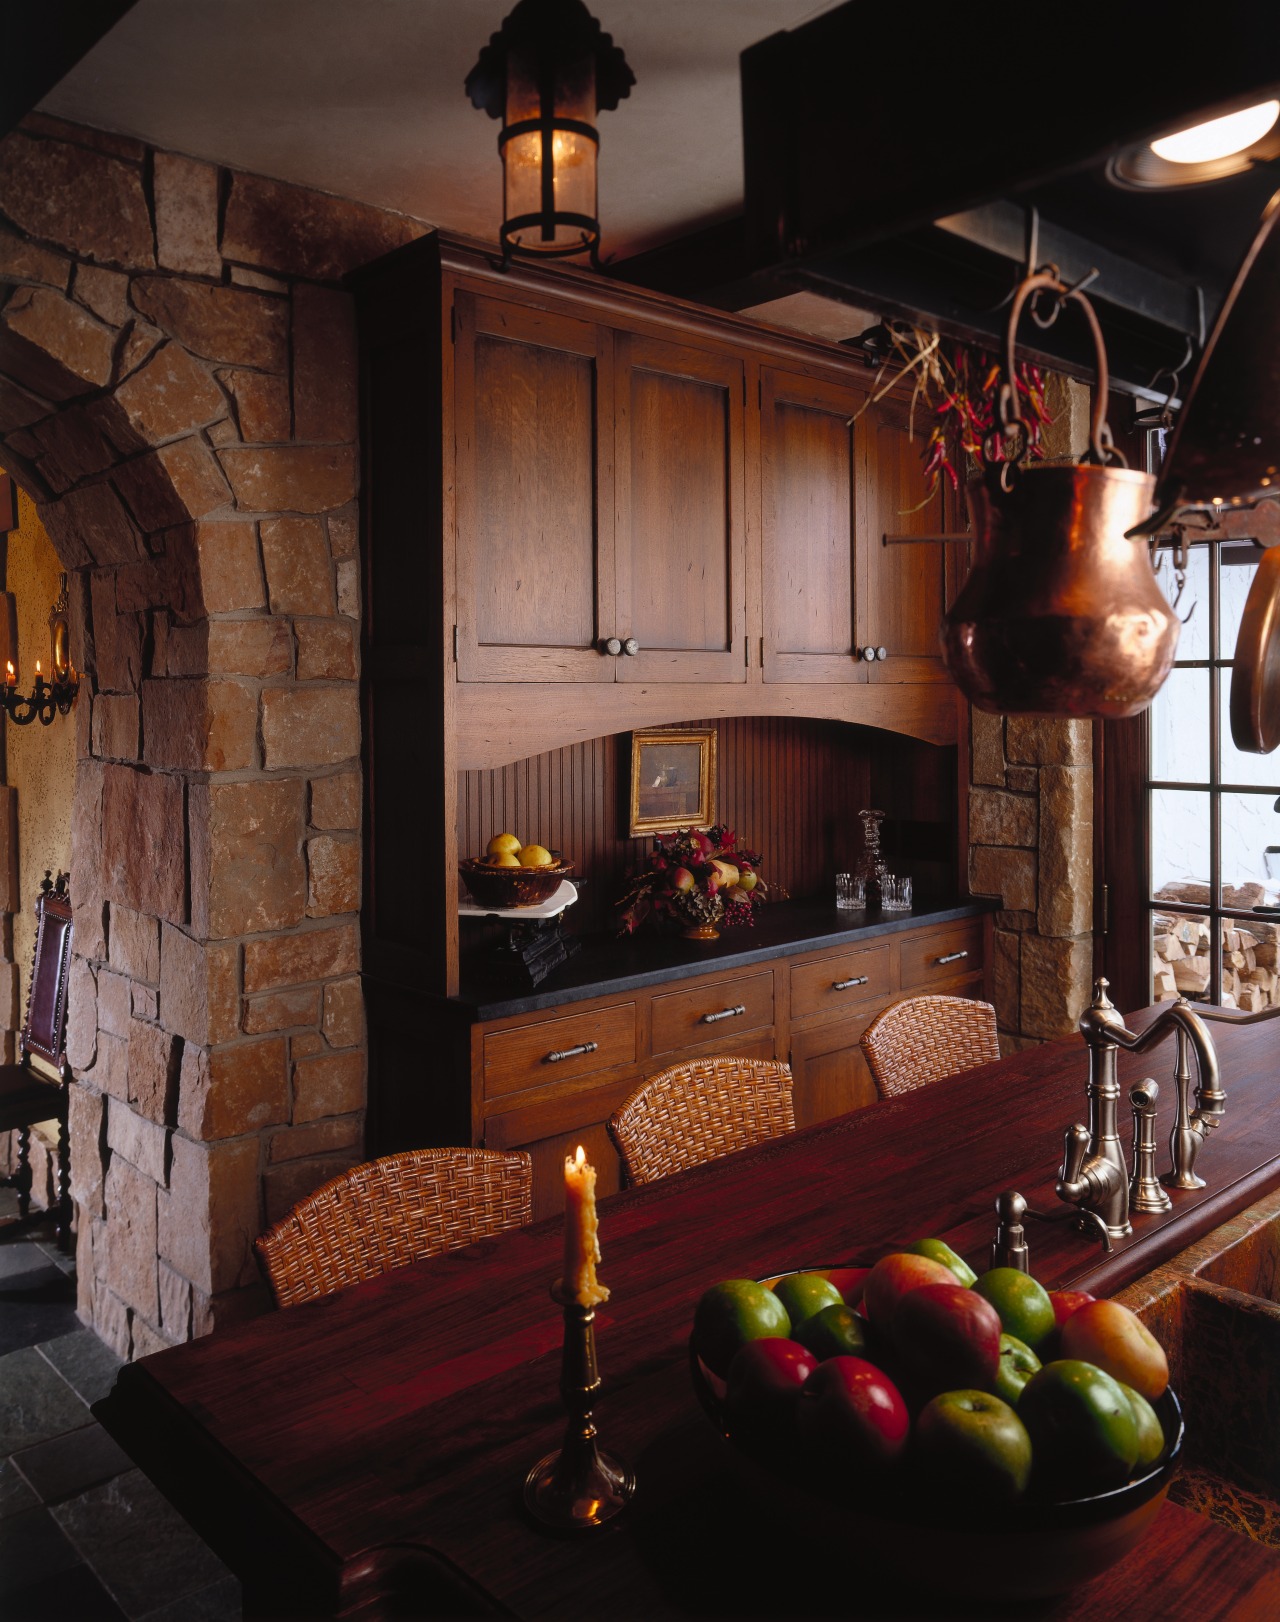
(698, 1111)
(922, 1039)
(389, 1212)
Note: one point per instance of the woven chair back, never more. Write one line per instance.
(922, 1039)
(695, 1112)
(389, 1212)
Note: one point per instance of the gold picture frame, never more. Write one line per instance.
(673, 780)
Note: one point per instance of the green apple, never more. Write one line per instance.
(1017, 1364)
(803, 1294)
(730, 1314)
(1024, 1305)
(1081, 1426)
(937, 1250)
(835, 1331)
(971, 1443)
(1150, 1430)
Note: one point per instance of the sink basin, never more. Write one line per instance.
(1216, 1310)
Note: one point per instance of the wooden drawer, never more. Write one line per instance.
(684, 1019)
(533, 1055)
(833, 983)
(941, 954)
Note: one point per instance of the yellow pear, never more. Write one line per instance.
(536, 856)
(504, 858)
(502, 845)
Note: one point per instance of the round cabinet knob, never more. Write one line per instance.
(882, 653)
(612, 646)
(631, 647)
(868, 655)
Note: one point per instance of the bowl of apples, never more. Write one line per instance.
(510, 874)
(1026, 1438)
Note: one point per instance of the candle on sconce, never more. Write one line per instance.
(10, 674)
(581, 1232)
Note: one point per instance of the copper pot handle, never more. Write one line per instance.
(1101, 449)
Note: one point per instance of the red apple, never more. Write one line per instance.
(851, 1411)
(681, 879)
(895, 1276)
(765, 1379)
(850, 1281)
(947, 1336)
(1065, 1302)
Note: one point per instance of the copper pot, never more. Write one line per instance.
(1061, 613)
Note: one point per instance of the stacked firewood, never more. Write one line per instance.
(1182, 947)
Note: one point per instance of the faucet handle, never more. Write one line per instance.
(1009, 1247)
(1075, 1147)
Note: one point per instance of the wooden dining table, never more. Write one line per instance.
(364, 1455)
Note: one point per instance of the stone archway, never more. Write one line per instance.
(177, 393)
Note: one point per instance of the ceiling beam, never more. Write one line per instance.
(43, 42)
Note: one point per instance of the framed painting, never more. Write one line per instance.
(673, 781)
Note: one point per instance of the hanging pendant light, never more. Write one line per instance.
(546, 74)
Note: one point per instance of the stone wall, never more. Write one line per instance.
(178, 395)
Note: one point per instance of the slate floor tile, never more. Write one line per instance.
(75, 1595)
(35, 1402)
(18, 1256)
(15, 1494)
(36, 1305)
(140, 1547)
(220, 1603)
(66, 1465)
(32, 1546)
(86, 1363)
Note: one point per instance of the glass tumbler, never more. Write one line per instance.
(895, 893)
(851, 891)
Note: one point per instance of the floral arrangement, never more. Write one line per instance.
(692, 878)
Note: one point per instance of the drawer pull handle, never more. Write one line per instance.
(725, 1013)
(843, 985)
(571, 1053)
(951, 957)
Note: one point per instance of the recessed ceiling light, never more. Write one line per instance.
(1210, 150)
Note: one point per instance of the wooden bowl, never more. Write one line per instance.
(502, 887)
(1035, 1547)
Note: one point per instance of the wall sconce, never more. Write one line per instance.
(47, 698)
(546, 74)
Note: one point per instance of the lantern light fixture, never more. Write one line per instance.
(1213, 149)
(546, 74)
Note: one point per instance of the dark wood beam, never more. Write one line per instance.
(43, 41)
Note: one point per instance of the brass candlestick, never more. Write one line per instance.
(579, 1487)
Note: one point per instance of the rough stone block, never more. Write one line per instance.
(114, 1015)
(87, 1118)
(178, 650)
(171, 395)
(307, 1044)
(76, 443)
(327, 650)
(273, 225)
(109, 1071)
(199, 987)
(106, 292)
(115, 726)
(92, 525)
(87, 858)
(231, 1307)
(251, 647)
(324, 952)
(247, 869)
(111, 1316)
(28, 262)
(1017, 923)
(227, 324)
(347, 575)
(344, 531)
(290, 478)
(99, 209)
(316, 1138)
(1009, 874)
(331, 1084)
(1066, 850)
(142, 1143)
(1039, 740)
(196, 478)
(186, 194)
(199, 726)
(175, 1304)
(145, 1337)
(65, 333)
(247, 1089)
(343, 1023)
(233, 727)
(130, 1251)
(211, 1214)
(333, 874)
(282, 1010)
(1023, 779)
(154, 1057)
(295, 554)
(230, 570)
(284, 1185)
(324, 364)
(1056, 985)
(142, 841)
(262, 406)
(117, 639)
(144, 1002)
(135, 945)
(310, 726)
(148, 490)
(335, 801)
(987, 748)
(997, 818)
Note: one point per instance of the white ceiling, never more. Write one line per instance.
(364, 98)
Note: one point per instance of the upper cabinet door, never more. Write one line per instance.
(905, 587)
(679, 513)
(533, 495)
(813, 475)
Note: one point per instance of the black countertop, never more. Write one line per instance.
(608, 963)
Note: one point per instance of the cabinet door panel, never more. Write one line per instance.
(811, 451)
(680, 513)
(831, 1076)
(533, 568)
(905, 591)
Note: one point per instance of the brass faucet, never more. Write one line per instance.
(1094, 1177)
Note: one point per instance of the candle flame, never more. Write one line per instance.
(37, 667)
(580, 1157)
(8, 665)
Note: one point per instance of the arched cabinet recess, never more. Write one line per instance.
(589, 509)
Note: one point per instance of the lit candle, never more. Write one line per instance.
(11, 675)
(581, 1232)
